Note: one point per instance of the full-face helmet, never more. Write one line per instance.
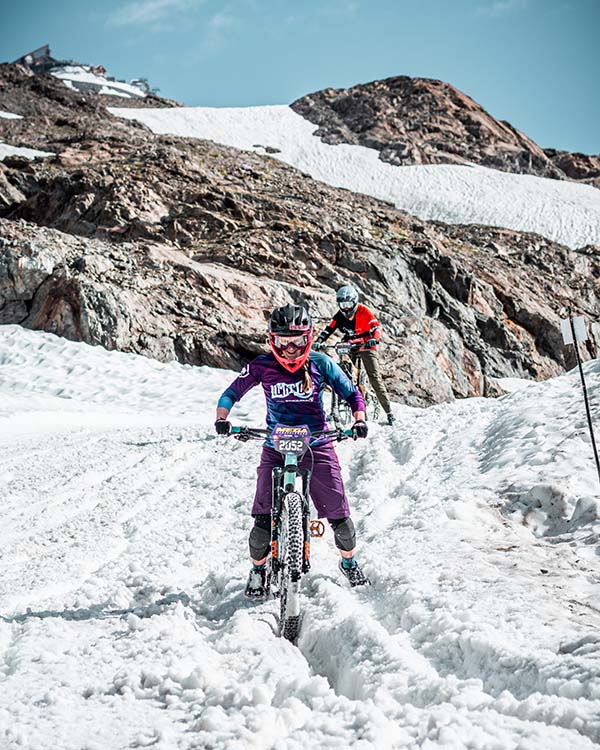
(290, 335)
(347, 300)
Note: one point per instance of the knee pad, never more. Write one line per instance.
(260, 536)
(343, 532)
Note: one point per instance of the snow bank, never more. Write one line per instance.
(565, 212)
(28, 153)
(123, 622)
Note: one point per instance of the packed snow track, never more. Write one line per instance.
(122, 617)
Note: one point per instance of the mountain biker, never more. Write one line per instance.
(293, 379)
(357, 322)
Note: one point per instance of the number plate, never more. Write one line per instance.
(291, 439)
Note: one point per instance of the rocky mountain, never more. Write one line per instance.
(576, 166)
(423, 121)
(177, 248)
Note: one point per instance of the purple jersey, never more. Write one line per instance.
(286, 401)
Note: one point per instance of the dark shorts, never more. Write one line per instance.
(326, 487)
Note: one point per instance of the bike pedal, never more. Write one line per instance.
(317, 529)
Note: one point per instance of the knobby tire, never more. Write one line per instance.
(341, 412)
(292, 540)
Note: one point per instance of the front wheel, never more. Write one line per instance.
(340, 411)
(292, 542)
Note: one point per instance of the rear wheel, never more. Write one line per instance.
(291, 538)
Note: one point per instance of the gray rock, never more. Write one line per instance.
(178, 249)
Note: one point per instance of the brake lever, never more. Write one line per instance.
(243, 437)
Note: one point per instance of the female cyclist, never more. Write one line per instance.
(293, 380)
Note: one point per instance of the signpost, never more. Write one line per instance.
(573, 331)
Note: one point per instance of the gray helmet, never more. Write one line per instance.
(347, 299)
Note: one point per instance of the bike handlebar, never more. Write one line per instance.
(243, 433)
(352, 345)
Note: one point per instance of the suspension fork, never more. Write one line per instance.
(284, 480)
(276, 497)
(291, 471)
(305, 474)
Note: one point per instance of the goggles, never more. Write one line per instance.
(346, 304)
(285, 342)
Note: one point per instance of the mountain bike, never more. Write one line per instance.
(291, 527)
(352, 365)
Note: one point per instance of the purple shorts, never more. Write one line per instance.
(326, 487)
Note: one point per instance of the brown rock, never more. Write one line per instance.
(425, 121)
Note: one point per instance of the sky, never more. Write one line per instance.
(533, 63)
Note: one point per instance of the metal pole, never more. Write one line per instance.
(585, 396)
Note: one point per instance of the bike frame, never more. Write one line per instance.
(285, 582)
(284, 481)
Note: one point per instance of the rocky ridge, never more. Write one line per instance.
(177, 248)
(425, 121)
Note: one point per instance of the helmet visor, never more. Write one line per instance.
(291, 351)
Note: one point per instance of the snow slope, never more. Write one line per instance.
(565, 212)
(122, 618)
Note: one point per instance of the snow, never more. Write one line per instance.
(9, 115)
(27, 153)
(513, 384)
(122, 617)
(562, 211)
(72, 75)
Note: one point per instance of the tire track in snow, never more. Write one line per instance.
(361, 660)
(541, 688)
(94, 531)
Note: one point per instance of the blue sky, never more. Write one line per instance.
(535, 63)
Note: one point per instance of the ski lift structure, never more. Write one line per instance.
(86, 78)
(39, 60)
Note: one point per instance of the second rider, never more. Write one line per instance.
(358, 324)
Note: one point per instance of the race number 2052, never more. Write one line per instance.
(291, 446)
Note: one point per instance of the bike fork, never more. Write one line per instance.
(305, 522)
(276, 496)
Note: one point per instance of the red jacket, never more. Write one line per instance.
(364, 325)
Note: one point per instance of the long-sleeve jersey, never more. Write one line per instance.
(364, 325)
(286, 401)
